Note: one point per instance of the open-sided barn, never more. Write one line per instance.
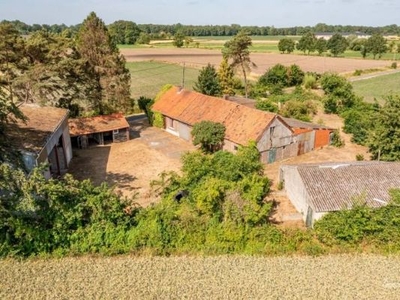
(43, 138)
(275, 138)
(316, 189)
(99, 129)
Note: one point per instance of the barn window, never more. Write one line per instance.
(271, 130)
(235, 147)
(116, 131)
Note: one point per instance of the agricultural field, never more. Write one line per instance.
(147, 77)
(198, 58)
(221, 277)
(261, 44)
(378, 87)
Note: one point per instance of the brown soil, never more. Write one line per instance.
(131, 166)
(264, 61)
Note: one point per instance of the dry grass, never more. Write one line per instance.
(234, 277)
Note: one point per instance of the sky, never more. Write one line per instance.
(278, 13)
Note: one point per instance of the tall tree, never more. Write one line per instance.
(226, 78)
(337, 44)
(12, 63)
(286, 45)
(320, 46)
(376, 45)
(124, 32)
(209, 135)
(207, 82)
(307, 43)
(384, 139)
(237, 50)
(179, 39)
(95, 45)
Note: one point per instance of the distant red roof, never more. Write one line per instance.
(242, 123)
(97, 124)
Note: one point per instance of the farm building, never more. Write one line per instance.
(98, 130)
(44, 138)
(316, 189)
(275, 139)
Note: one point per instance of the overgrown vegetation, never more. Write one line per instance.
(209, 135)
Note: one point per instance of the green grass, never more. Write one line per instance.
(147, 77)
(378, 87)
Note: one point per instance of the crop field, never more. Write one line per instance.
(200, 57)
(223, 277)
(147, 77)
(378, 87)
(261, 44)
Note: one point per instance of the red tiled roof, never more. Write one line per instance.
(242, 123)
(81, 126)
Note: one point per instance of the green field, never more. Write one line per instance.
(378, 87)
(148, 77)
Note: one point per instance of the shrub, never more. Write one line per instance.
(310, 82)
(359, 157)
(336, 140)
(393, 65)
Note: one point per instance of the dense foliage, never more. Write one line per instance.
(95, 45)
(219, 30)
(86, 75)
(363, 225)
(209, 135)
(208, 81)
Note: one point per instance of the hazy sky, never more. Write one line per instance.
(279, 13)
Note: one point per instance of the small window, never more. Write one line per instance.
(271, 130)
(235, 147)
(116, 131)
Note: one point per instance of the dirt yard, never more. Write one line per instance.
(200, 58)
(132, 165)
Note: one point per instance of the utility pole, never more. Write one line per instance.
(183, 75)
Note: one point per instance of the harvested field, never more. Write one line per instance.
(200, 57)
(224, 277)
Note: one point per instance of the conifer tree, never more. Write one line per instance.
(207, 82)
(95, 45)
(226, 78)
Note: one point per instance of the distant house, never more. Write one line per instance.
(328, 35)
(99, 130)
(316, 189)
(275, 138)
(44, 138)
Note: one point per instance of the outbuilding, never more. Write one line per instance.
(316, 189)
(99, 130)
(43, 138)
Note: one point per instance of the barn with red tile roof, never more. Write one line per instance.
(182, 109)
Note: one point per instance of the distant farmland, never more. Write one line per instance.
(378, 87)
(148, 77)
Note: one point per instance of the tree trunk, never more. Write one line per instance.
(245, 80)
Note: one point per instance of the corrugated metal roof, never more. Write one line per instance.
(40, 125)
(242, 123)
(334, 186)
(81, 126)
(294, 123)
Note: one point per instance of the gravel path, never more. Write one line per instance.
(224, 277)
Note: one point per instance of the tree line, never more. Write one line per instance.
(337, 44)
(128, 32)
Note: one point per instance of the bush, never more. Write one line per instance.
(337, 141)
(310, 82)
(359, 157)
(393, 65)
